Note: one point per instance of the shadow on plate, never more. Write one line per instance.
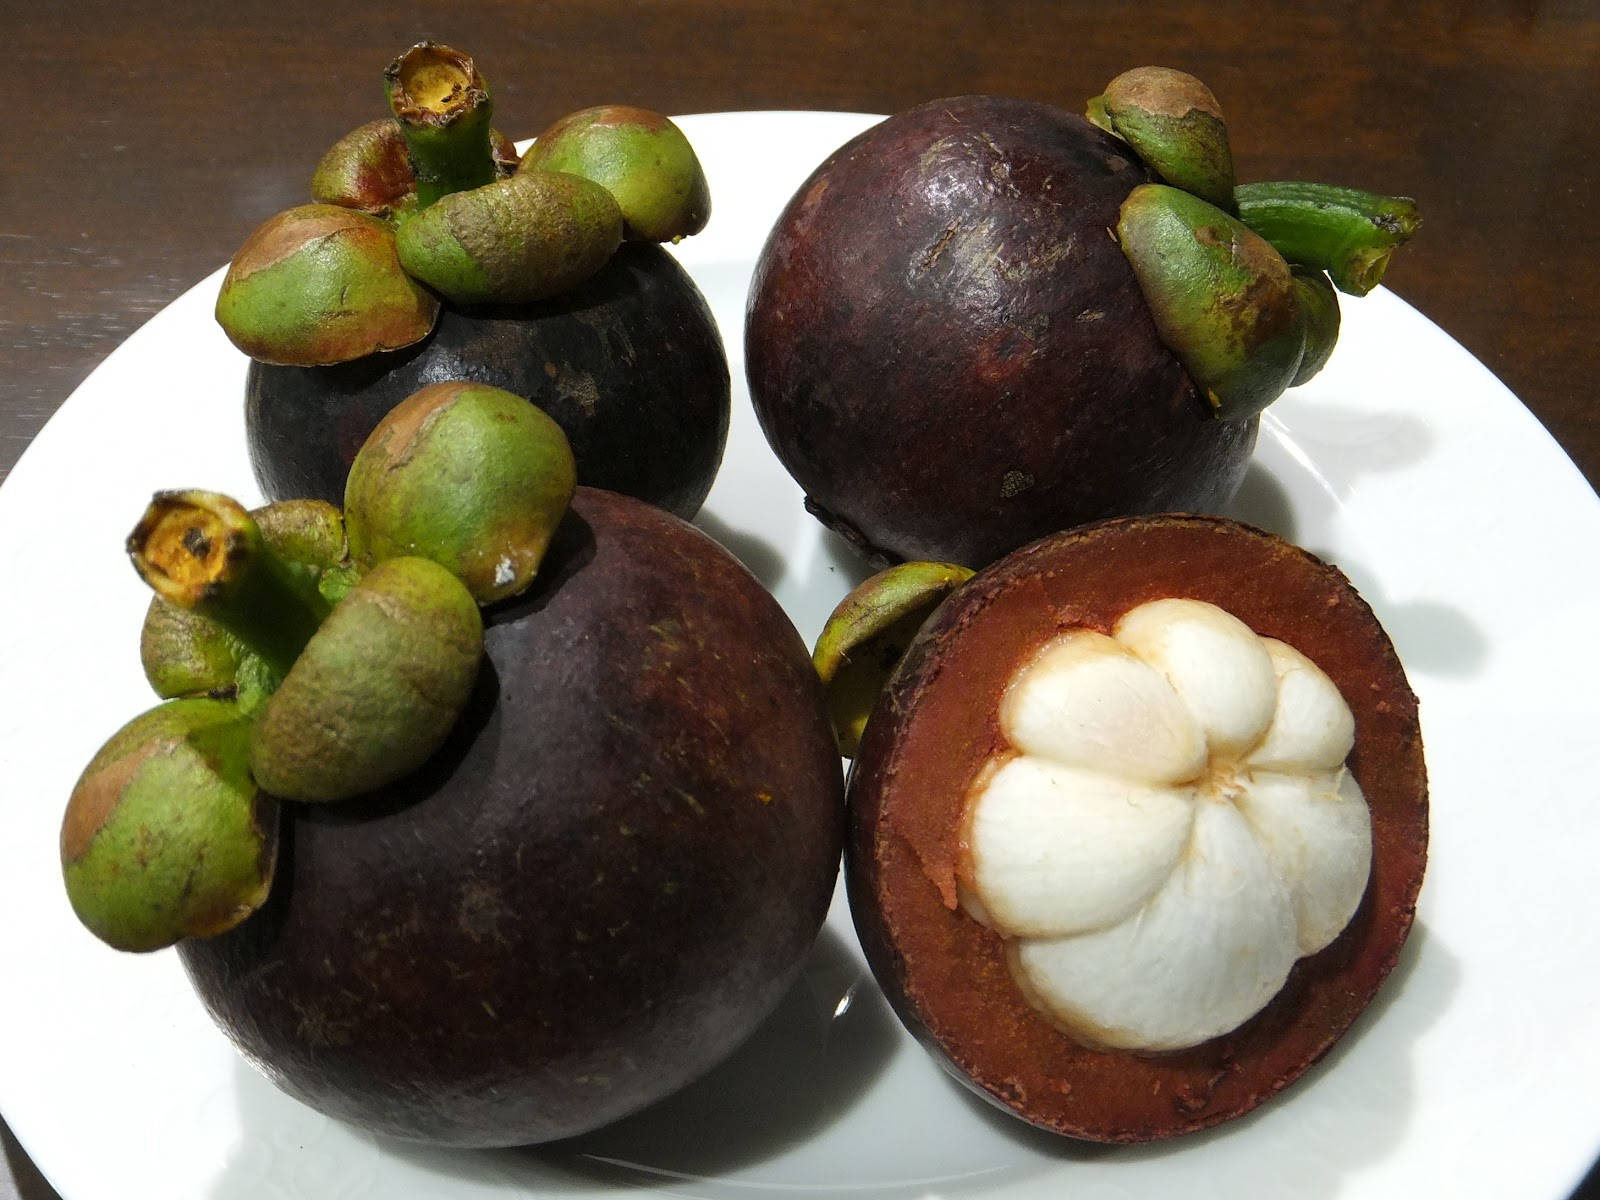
(1431, 636)
(842, 557)
(764, 560)
(804, 1069)
(17, 1169)
(1264, 502)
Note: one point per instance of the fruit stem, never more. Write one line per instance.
(1346, 232)
(202, 551)
(443, 106)
(868, 633)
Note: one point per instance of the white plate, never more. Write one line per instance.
(1405, 462)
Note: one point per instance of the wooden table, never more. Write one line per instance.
(144, 140)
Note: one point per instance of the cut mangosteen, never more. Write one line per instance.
(629, 363)
(604, 881)
(1138, 825)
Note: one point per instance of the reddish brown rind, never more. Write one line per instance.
(936, 724)
(948, 350)
(604, 882)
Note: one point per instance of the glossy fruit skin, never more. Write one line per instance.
(948, 351)
(601, 885)
(934, 728)
(629, 363)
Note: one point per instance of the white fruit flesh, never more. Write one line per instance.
(1172, 826)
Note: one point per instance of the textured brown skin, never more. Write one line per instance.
(600, 886)
(949, 353)
(935, 725)
(629, 364)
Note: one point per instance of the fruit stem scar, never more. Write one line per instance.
(444, 108)
(203, 552)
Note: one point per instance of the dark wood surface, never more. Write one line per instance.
(144, 140)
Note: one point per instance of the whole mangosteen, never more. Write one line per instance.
(987, 319)
(599, 886)
(430, 253)
(1138, 824)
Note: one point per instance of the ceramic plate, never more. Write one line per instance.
(1404, 462)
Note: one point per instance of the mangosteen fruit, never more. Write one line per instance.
(604, 880)
(986, 319)
(432, 253)
(1138, 824)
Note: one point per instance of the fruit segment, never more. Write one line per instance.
(1168, 828)
(1065, 851)
(1210, 949)
(1088, 701)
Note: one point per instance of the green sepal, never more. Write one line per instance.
(1175, 125)
(368, 169)
(165, 834)
(641, 157)
(521, 239)
(186, 654)
(474, 477)
(1222, 299)
(377, 689)
(1319, 308)
(319, 284)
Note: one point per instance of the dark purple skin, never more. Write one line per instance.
(948, 351)
(600, 887)
(629, 364)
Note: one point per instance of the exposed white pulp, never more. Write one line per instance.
(1172, 827)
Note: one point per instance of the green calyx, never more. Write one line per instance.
(320, 284)
(1174, 123)
(521, 239)
(1239, 279)
(641, 158)
(867, 634)
(346, 695)
(377, 689)
(432, 202)
(301, 679)
(166, 835)
(471, 476)
(1223, 300)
